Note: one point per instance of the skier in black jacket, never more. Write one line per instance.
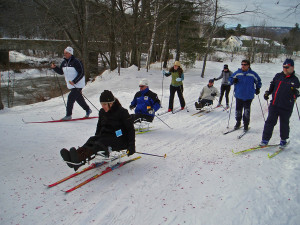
(284, 93)
(115, 132)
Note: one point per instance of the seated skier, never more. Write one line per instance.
(207, 95)
(114, 132)
(145, 102)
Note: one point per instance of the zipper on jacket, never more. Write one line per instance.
(276, 93)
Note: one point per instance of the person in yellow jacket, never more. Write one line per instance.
(176, 85)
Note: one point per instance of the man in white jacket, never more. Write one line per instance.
(73, 70)
(207, 95)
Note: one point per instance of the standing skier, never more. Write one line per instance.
(115, 132)
(207, 95)
(225, 86)
(73, 70)
(246, 84)
(176, 85)
(283, 89)
(145, 102)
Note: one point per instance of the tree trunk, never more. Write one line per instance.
(153, 35)
(1, 103)
(209, 40)
(177, 32)
(112, 42)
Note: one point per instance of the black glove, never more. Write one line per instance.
(130, 151)
(215, 79)
(213, 94)
(266, 95)
(131, 107)
(235, 80)
(150, 111)
(295, 92)
(257, 91)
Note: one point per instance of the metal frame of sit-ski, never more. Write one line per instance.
(141, 125)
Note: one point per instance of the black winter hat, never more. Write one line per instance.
(107, 96)
(225, 66)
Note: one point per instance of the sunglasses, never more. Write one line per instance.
(244, 64)
(286, 67)
(141, 86)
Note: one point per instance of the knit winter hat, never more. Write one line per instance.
(107, 97)
(144, 82)
(69, 50)
(211, 81)
(288, 62)
(176, 63)
(225, 66)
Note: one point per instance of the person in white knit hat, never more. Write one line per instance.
(145, 102)
(73, 71)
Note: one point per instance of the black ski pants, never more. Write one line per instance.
(240, 106)
(75, 95)
(284, 120)
(225, 89)
(179, 91)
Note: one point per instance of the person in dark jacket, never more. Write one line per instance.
(73, 71)
(246, 84)
(145, 102)
(225, 86)
(284, 91)
(114, 132)
(176, 84)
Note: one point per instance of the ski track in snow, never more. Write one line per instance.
(200, 182)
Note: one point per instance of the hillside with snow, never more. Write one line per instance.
(199, 182)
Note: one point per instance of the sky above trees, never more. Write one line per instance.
(272, 12)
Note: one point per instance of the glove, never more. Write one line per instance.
(257, 91)
(178, 79)
(235, 80)
(130, 151)
(131, 107)
(215, 79)
(213, 94)
(266, 95)
(295, 92)
(150, 111)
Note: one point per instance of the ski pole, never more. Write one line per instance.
(162, 89)
(163, 122)
(85, 97)
(230, 110)
(143, 153)
(261, 108)
(297, 109)
(62, 95)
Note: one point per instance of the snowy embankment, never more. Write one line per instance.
(200, 182)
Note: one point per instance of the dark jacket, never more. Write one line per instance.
(145, 98)
(116, 124)
(281, 90)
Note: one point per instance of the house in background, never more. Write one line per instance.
(244, 43)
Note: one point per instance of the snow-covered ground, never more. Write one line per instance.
(199, 182)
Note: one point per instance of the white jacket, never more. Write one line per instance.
(207, 91)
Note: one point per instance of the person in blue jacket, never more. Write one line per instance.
(73, 71)
(145, 102)
(283, 89)
(246, 83)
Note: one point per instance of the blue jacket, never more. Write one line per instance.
(281, 90)
(245, 89)
(145, 98)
